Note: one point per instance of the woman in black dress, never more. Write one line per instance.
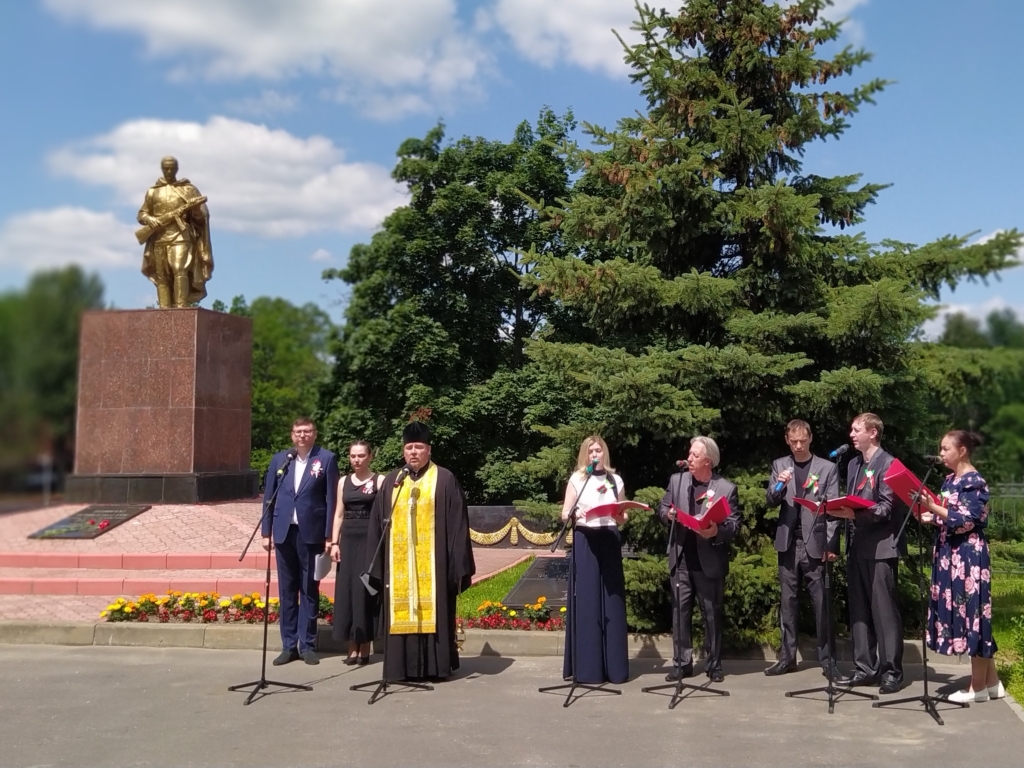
(355, 610)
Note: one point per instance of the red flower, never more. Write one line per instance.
(92, 522)
(104, 524)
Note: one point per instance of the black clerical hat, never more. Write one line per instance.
(416, 432)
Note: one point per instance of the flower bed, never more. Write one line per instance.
(211, 608)
(536, 617)
(202, 607)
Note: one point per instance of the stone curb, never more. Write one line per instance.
(479, 642)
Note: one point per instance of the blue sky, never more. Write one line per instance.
(288, 115)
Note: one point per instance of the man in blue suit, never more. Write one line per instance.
(300, 527)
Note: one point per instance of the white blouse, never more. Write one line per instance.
(599, 490)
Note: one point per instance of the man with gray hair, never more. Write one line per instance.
(698, 561)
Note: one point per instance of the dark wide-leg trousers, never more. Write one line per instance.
(298, 591)
(875, 622)
(794, 563)
(686, 585)
(596, 619)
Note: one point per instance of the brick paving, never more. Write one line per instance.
(184, 547)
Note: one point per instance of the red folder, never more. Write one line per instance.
(905, 484)
(716, 513)
(614, 509)
(856, 503)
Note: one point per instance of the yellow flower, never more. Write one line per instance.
(562, 609)
(225, 603)
(542, 599)
(260, 604)
(129, 608)
(274, 600)
(246, 600)
(236, 597)
(103, 614)
(511, 613)
(255, 594)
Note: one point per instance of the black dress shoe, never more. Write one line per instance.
(310, 657)
(351, 661)
(780, 668)
(857, 678)
(716, 676)
(830, 665)
(679, 673)
(890, 685)
(285, 657)
(362, 661)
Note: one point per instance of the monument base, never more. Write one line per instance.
(185, 488)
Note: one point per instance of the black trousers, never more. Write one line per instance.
(875, 622)
(794, 563)
(686, 585)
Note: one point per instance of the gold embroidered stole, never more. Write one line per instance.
(411, 561)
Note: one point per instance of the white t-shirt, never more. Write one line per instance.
(599, 490)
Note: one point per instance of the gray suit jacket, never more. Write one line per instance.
(714, 552)
(874, 530)
(820, 534)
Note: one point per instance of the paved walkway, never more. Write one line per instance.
(191, 548)
(127, 706)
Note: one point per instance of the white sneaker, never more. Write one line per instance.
(997, 691)
(968, 697)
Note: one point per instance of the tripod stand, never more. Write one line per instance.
(381, 686)
(573, 683)
(926, 700)
(263, 683)
(679, 686)
(830, 688)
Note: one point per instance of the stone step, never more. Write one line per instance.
(79, 581)
(137, 561)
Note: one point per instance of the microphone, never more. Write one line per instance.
(933, 459)
(592, 466)
(780, 485)
(288, 459)
(402, 475)
(683, 464)
(839, 451)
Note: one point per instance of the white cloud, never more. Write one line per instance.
(578, 31)
(375, 47)
(269, 102)
(54, 238)
(261, 181)
(320, 254)
(548, 32)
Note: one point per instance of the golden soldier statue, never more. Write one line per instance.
(175, 221)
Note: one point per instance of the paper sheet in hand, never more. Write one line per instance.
(856, 503)
(615, 509)
(905, 484)
(716, 513)
(322, 566)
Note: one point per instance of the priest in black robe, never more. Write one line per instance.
(425, 561)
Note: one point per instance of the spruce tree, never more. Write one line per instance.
(713, 285)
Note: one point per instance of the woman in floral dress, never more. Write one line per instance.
(960, 610)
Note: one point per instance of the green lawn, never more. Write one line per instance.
(1007, 602)
(494, 589)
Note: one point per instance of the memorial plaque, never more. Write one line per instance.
(546, 577)
(90, 522)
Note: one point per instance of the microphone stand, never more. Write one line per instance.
(262, 683)
(679, 685)
(381, 686)
(829, 689)
(926, 700)
(573, 683)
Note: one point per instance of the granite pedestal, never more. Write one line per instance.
(164, 408)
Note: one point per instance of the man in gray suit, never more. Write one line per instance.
(802, 539)
(698, 561)
(872, 557)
